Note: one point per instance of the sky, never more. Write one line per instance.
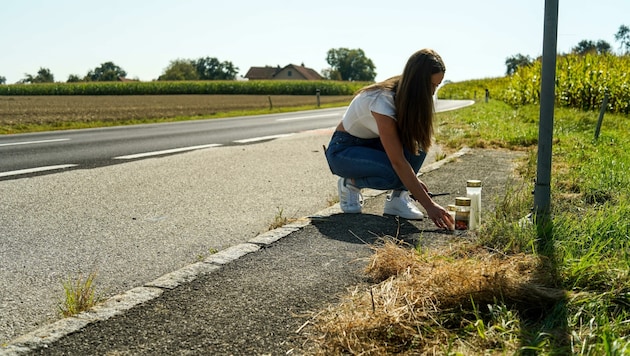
(474, 37)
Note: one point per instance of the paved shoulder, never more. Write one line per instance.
(261, 302)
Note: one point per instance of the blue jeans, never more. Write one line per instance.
(365, 161)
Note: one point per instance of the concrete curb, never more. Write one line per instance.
(118, 304)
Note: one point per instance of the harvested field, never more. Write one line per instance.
(21, 111)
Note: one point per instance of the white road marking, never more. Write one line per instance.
(262, 138)
(295, 118)
(174, 150)
(34, 142)
(35, 170)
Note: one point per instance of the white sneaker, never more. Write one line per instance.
(403, 206)
(350, 198)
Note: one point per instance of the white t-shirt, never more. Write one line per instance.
(358, 120)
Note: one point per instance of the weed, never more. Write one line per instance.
(280, 220)
(211, 251)
(440, 156)
(502, 229)
(332, 200)
(79, 295)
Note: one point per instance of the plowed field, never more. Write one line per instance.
(17, 112)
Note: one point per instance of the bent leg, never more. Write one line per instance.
(368, 167)
(365, 161)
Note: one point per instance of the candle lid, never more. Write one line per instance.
(462, 201)
(473, 183)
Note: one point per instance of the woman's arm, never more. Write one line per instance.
(388, 132)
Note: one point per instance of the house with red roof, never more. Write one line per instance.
(289, 72)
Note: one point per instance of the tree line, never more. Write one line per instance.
(583, 47)
(345, 64)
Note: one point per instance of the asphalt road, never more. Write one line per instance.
(25, 155)
(133, 222)
(49, 152)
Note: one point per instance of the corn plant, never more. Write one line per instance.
(582, 81)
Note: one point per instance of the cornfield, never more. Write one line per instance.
(473, 89)
(582, 81)
(208, 87)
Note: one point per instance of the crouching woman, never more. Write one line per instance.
(382, 140)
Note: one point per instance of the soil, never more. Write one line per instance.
(57, 110)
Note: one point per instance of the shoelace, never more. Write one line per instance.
(351, 196)
(355, 197)
(360, 198)
(406, 197)
(403, 195)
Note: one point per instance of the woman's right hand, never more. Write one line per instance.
(440, 217)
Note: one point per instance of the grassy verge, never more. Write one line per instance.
(509, 292)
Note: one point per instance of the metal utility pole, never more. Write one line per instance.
(542, 191)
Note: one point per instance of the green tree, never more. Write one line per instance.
(623, 37)
(603, 47)
(73, 78)
(331, 74)
(514, 62)
(180, 69)
(3, 80)
(210, 68)
(349, 64)
(43, 76)
(106, 72)
(588, 46)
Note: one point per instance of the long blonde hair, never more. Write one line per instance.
(414, 98)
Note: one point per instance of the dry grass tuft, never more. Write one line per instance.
(421, 297)
(391, 259)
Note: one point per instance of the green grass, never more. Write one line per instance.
(493, 124)
(590, 241)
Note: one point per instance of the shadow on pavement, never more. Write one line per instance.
(370, 228)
